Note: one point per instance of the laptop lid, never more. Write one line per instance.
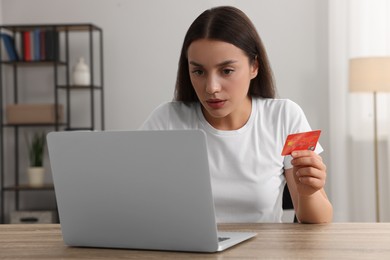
(134, 189)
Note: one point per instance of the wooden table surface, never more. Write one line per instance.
(276, 241)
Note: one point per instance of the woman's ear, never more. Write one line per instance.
(254, 68)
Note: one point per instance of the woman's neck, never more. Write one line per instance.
(233, 121)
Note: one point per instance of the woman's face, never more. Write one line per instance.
(220, 74)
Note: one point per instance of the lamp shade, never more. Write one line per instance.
(369, 74)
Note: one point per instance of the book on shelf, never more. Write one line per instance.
(42, 45)
(9, 44)
(51, 45)
(36, 44)
(26, 46)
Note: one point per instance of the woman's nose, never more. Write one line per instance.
(212, 84)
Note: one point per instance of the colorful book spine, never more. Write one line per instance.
(27, 46)
(52, 45)
(22, 45)
(42, 42)
(9, 44)
(37, 44)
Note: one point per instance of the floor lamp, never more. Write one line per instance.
(371, 74)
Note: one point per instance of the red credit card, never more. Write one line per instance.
(301, 141)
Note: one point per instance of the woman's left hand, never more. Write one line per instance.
(309, 172)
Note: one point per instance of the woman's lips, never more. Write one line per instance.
(215, 103)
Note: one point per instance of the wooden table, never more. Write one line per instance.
(292, 241)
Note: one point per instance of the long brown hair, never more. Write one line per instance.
(230, 25)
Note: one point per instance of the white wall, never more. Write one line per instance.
(142, 41)
(1, 11)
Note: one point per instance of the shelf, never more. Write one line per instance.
(79, 87)
(34, 125)
(34, 63)
(79, 129)
(53, 125)
(58, 27)
(27, 187)
(60, 48)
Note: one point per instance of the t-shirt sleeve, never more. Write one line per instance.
(296, 122)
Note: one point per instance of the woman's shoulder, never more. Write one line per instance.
(171, 115)
(175, 107)
(277, 104)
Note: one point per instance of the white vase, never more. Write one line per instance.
(36, 176)
(81, 75)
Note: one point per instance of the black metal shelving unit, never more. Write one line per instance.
(63, 89)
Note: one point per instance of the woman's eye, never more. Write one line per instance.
(197, 72)
(227, 71)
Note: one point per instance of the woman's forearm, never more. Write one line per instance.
(315, 208)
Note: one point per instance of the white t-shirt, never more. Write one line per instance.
(246, 165)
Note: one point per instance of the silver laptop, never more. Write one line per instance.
(136, 189)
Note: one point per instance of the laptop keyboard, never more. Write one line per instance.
(220, 239)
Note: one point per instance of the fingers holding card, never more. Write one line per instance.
(301, 141)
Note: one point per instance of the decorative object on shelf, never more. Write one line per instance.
(81, 75)
(34, 113)
(36, 172)
(33, 217)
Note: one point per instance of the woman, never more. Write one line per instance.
(225, 87)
